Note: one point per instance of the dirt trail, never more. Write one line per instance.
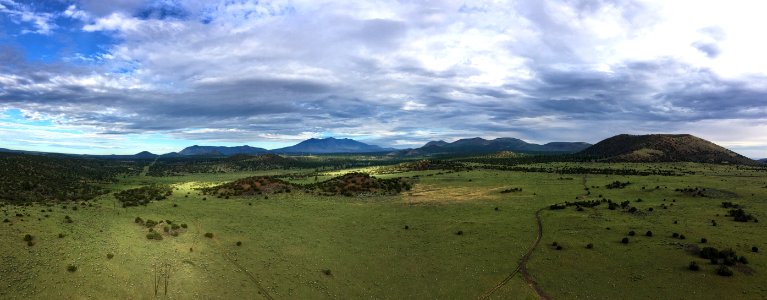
(522, 266)
(146, 169)
(261, 289)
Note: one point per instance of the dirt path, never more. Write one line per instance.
(261, 289)
(146, 169)
(522, 266)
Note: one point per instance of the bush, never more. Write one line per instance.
(754, 249)
(239, 243)
(6, 221)
(632, 233)
(110, 256)
(681, 237)
(166, 229)
(559, 248)
(407, 227)
(625, 240)
(61, 235)
(459, 232)
(30, 243)
(150, 223)
(703, 241)
(154, 235)
(693, 266)
(27, 238)
(648, 233)
(554, 244)
(723, 271)
(71, 268)
(676, 235)
(209, 235)
(743, 260)
(709, 252)
(590, 246)
(175, 227)
(183, 225)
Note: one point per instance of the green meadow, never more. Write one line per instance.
(457, 234)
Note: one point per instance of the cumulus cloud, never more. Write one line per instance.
(402, 73)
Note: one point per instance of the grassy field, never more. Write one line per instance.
(454, 235)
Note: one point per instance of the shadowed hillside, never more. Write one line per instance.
(663, 148)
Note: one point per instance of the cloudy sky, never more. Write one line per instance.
(122, 76)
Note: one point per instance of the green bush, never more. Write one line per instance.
(138, 220)
(648, 233)
(239, 243)
(110, 255)
(209, 235)
(590, 246)
(183, 225)
(154, 235)
(625, 240)
(27, 238)
(150, 223)
(754, 249)
(723, 271)
(703, 241)
(632, 233)
(71, 268)
(693, 266)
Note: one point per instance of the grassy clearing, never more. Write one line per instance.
(299, 245)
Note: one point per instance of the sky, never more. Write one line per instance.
(123, 76)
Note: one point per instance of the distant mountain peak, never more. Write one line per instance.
(331, 145)
(478, 145)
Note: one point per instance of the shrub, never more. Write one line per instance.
(175, 227)
(559, 248)
(554, 244)
(407, 227)
(590, 246)
(754, 249)
(693, 266)
(166, 229)
(138, 220)
(625, 240)
(327, 272)
(154, 235)
(743, 260)
(709, 252)
(30, 243)
(703, 241)
(6, 221)
(648, 233)
(681, 236)
(676, 235)
(110, 255)
(27, 238)
(183, 225)
(239, 243)
(209, 235)
(723, 271)
(459, 232)
(150, 223)
(71, 268)
(632, 233)
(61, 235)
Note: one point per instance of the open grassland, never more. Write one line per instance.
(456, 234)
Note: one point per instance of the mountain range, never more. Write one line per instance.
(480, 145)
(619, 148)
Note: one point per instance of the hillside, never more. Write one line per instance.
(220, 150)
(480, 145)
(26, 177)
(331, 145)
(663, 148)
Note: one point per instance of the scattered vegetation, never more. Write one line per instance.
(143, 195)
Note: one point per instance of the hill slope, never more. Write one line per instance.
(480, 145)
(663, 148)
(220, 150)
(331, 145)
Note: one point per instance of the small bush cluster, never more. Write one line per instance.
(143, 195)
(741, 216)
(617, 185)
(154, 235)
(209, 235)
